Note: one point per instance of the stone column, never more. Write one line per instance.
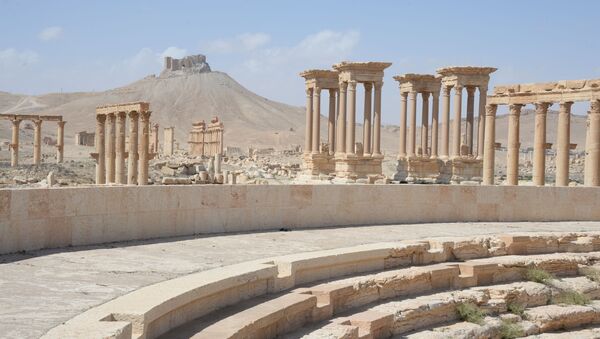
(457, 121)
(308, 133)
(37, 142)
(425, 123)
(402, 149)
(592, 147)
(341, 123)
(377, 120)
(351, 129)
(563, 142)
(481, 122)
(221, 141)
(331, 121)
(316, 121)
(434, 124)
(110, 147)
(539, 144)
(60, 141)
(445, 122)
(412, 124)
(470, 117)
(490, 143)
(367, 118)
(100, 144)
(143, 162)
(155, 138)
(132, 158)
(120, 152)
(14, 146)
(512, 163)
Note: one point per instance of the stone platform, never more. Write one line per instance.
(357, 165)
(438, 171)
(315, 164)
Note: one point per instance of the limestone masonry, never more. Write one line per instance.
(187, 65)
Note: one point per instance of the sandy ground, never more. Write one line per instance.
(42, 289)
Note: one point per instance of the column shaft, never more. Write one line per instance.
(434, 124)
(60, 142)
(367, 118)
(377, 120)
(316, 121)
(100, 147)
(425, 123)
(14, 146)
(470, 118)
(341, 123)
(445, 121)
(490, 141)
(110, 148)
(351, 129)
(120, 151)
(403, 104)
(563, 142)
(331, 121)
(456, 141)
(512, 163)
(145, 140)
(539, 144)
(37, 142)
(412, 124)
(592, 147)
(481, 122)
(308, 124)
(133, 156)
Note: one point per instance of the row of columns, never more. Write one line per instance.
(312, 138)
(563, 144)
(37, 142)
(110, 148)
(408, 147)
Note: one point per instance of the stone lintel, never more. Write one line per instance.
(555, 96)
(322, 78)
(418, 83)
(465, 70)
(124, 107)
(361, 71)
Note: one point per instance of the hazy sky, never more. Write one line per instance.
(52, 46)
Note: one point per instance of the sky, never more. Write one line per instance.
(66, 46)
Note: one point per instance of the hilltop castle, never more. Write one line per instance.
(189, 64)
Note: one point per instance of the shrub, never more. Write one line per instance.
(510, 330)
(570, 297)
(516, 308)
(591, 273)
(470, 312)
(538, 275)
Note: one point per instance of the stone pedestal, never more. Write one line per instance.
(420, 170)
(318, 163)
(464, 169)
(359, 166)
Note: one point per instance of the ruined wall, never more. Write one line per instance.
(57, 217)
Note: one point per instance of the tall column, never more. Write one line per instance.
(512, 163)
(402, 148)
(434, 124)
(425, 123)
(490, 142)
(351, 128)
(110, 148)
(155, 138)
(100, 160)
(37, 142)
(456, 141)
(481, 122)
(539, 144)
(132, 158)
(341, 123)
(120, 152)
(221, 141)
(592, 147)
(308, 124)
(143, 162)
(445, 122)
(470, 117)
(316, 121)
(377, 120)
(563, 142)
(331, 121)
(14, 146)
(60, 142)
(367, 118)
(412, 124)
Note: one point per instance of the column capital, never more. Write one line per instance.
(111, 116)
(425, 95)
(61, 123)
(491, 109)
(515, 109)
(145, 116)
(403, 95)
(352, 85)
(309, 91)
(482, 89)
(413, 95)
(37, 122)
(378, 85)
(595, 107)
(101, 118)
(121, 115)
(542, 107)
(565, 107)
(446, 90)
(458, 89)
(470, 90)
(16, 122)
(317, 91)
(133, 114)
(435, 95)
(332, 91)
(368, 86)
(343, 86)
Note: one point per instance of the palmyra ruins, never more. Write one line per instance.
(345, 262)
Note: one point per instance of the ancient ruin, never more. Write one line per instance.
(169, 140)
(206, 139)
(37, 120)
(187, 65)
(544, 95)
(84, 138)
(110, 144)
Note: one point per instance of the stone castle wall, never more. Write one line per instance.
(189, 64)
(39, 218)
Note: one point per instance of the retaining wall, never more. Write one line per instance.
(33, 219)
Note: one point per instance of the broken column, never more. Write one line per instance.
(60, 142)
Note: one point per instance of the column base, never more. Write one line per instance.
(419, 170)
(315, 164)
(357, 166)
(463, 169)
